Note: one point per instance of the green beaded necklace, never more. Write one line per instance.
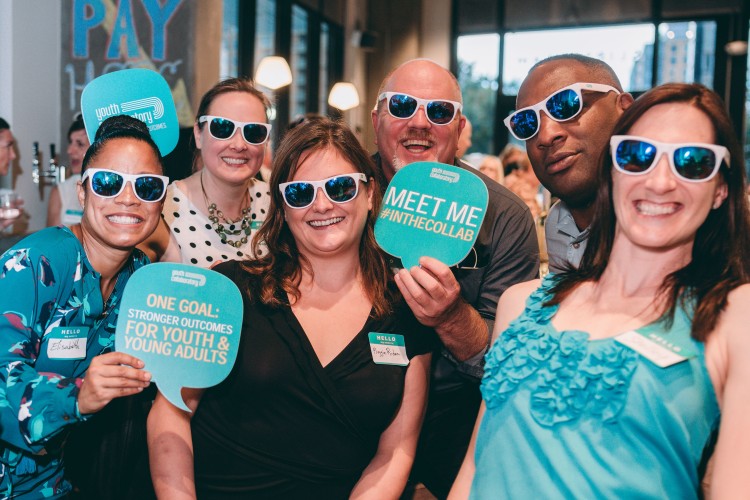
(216, 217)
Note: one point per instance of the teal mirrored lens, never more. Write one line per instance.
(694, 162)
(255, 133)
(440, 112)
(524, 124)
(564, 105)
(106, 183)
(402, 106)
(341, 189)
(635, 156)
(299, 194)
(221, 128)
(149, 188)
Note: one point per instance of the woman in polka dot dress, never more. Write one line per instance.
(214, 214)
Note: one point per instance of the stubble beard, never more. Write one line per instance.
(397, 163)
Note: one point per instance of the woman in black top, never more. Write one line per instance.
(320, 403)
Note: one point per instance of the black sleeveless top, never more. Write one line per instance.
(282, 425)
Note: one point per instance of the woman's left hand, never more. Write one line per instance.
(388, 471)
(112, 375)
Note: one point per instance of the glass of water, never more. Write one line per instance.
(9, 204)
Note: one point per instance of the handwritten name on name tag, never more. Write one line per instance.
(67, 342)
(388, 349)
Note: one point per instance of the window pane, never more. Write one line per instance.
(686, 52)
(698, 8)
(265, 29)
(265, 43)
(228, 55)
(478, 71)
(477, 15)
(624, 47)
(521, 14)
(325, 84)
(298, 63)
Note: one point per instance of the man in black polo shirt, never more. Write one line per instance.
(413, 122)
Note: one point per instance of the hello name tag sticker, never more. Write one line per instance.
(431, 209)
(656, 348)
(67, 342)
(388, 349)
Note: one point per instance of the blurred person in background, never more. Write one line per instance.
(7, 147)
(63, 207)
(517, 167)
(520, 177)
(489, 165)
(464, 140)
(7, 156)
(492, 167)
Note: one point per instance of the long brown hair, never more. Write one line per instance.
(721, 252)
(280, 269)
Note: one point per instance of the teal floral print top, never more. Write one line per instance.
(48, 286)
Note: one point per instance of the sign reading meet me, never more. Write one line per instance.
(431, 209)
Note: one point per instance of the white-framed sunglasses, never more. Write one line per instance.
(221, 128)
(340, 188)
(404, 106)
(562, 105)
(107, 183)
(690, 161)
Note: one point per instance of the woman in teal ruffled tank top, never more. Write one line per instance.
(615, 377)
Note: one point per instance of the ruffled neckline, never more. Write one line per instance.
(569, 376)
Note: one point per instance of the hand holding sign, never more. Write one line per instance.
(109, 376)
(431, 209)
(184, 323)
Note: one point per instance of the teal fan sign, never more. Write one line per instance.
(431, 209)
(140, 93)
(184, 323)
